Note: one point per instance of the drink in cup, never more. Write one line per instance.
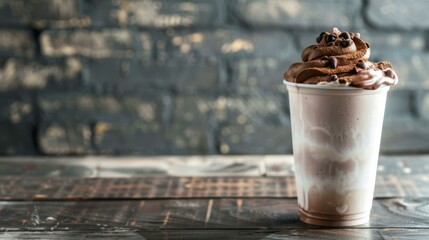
(337, 100)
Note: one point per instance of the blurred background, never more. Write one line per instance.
(161, 77)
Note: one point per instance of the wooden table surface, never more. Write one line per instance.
(216, 197)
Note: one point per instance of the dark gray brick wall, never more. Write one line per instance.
(125, 76)
(398, 14)
(109, 43)
(43, 13)
(44, 74)
(152, 77)
(156, 14)
(304, 13)
(17, 42)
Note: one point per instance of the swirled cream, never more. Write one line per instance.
(340, 58)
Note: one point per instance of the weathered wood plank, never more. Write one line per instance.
(404, 234)
(75, 234)
(351, 234)
(339, 234)
(39, 188)
(19, 188)
(269, 165)
(187, 214)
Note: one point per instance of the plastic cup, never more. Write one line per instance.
(336, 133)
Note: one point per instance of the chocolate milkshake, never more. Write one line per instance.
(337, 101)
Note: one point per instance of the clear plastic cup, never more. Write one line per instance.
(336, 133)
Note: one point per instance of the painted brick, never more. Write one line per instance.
(186, 139)
(17, 138)
(193, 109)
(397, 14)
(405, 135)
(256, 139)
(192, 46)
(137, 138)
(156, 14)
(17, 108)
(394, 41)
(292, 13)
(254, 124)
(399, 104)
(84, 107)
(119, 124)
(260, 73)
(191, 128)
(88, 43)
(17, 43)
(270, 107)
(43, 13)
(135, 76)
(421, 104)
(64, 138)
(20, 74)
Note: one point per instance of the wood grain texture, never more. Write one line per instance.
(339, 234)
(19, 188)
(238, 198)
(267, 165)
(352, 234)
(193, 214)
(75, 234)
(72, 188)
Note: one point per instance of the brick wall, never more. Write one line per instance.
(188, 76)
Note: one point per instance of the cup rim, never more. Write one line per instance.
(345, 88)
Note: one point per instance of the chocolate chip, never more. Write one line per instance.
(389, 73)
(342, 81)
(320, 37)
(346, 43)
(333, 61)
(360, 64)
(332, 78)
(345, 35)
(330, 38)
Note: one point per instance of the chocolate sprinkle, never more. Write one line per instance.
(320, 37)
(332, 78)
(367, 45)
(346, 43)
(333, 61)
(345, 35)
(330, 38)
(360, 64)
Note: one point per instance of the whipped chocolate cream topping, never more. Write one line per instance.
(341, 57)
